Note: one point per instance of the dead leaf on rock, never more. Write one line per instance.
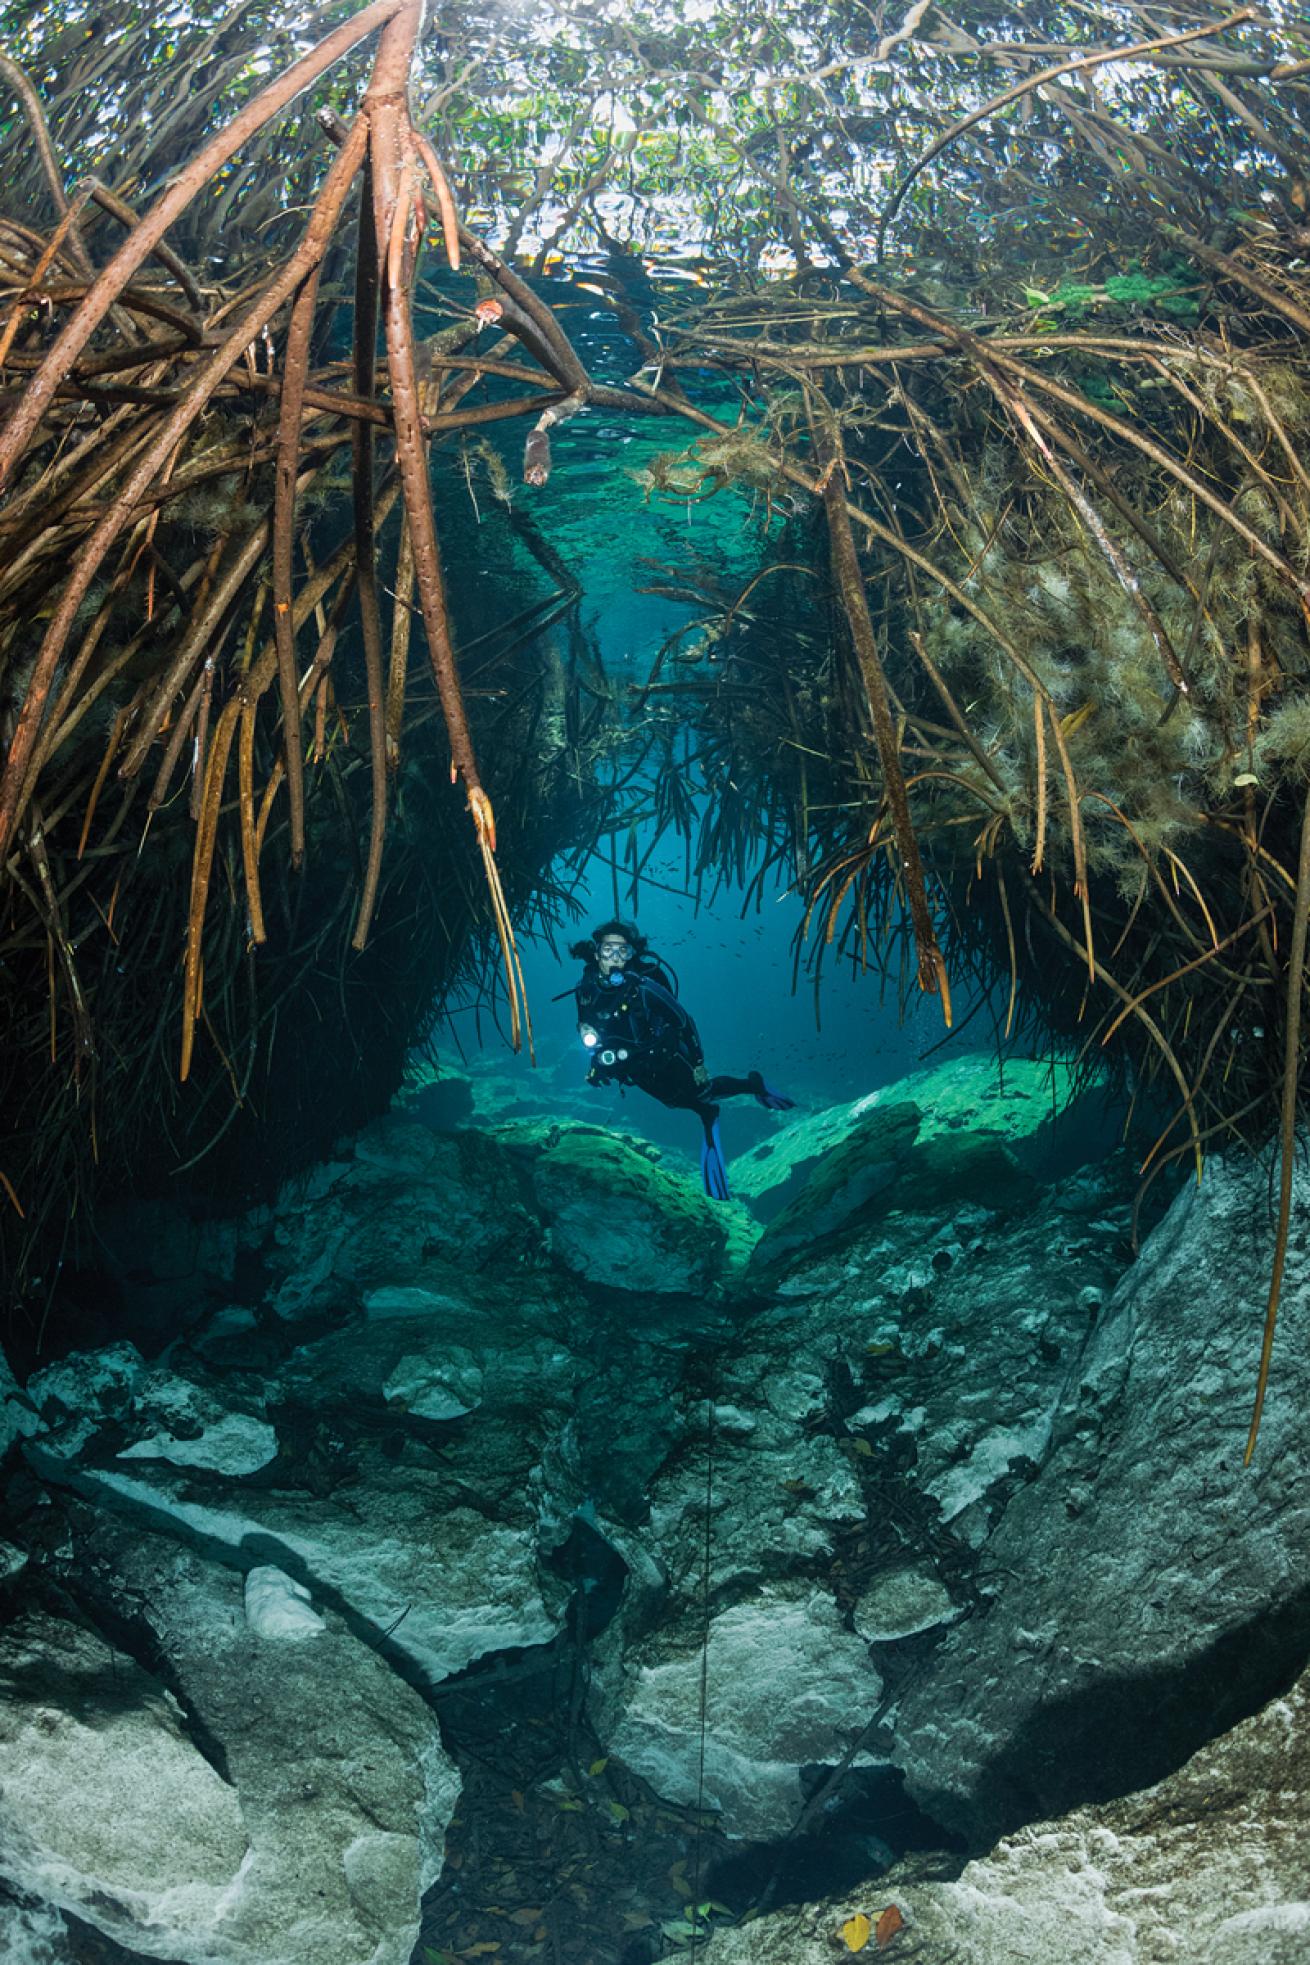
(888, 1925)
(856, 1931)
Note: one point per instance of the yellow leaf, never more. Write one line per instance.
(619, 1812)
(857, 1931)
(528, 1916)
(863, 1448)
(598, 1766)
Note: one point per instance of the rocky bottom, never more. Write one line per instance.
(496, 1550)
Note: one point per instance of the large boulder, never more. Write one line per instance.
(104, 1796)
(615, 1216)
(1045, 1111)
(290, 1808)
(441, 1584)
(732, 1717)
(1213, 1862)
(409, 1200)
(1147, 1588)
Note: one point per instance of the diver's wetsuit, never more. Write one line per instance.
(646, 1038)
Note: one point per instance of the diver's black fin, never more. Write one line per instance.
(771, 1101)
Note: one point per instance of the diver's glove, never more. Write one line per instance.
(713, 1166)
(771, 1101)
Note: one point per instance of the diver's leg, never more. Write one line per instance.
(723, 1086)
(772, 1101)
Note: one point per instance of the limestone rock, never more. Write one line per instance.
(410, 1199)
(106, 1806)
(847, 1179)
(1024, 1106)
(19, 1418)
(279, 1607)
(786, 1686)
(388, 1548)
(1146, 1581)
(331, 1770)
(444, 1388)
(188, 1424)
(1213, 1862)
(901, 1603)
(619, 1219)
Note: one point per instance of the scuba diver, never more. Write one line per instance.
(637, 1033)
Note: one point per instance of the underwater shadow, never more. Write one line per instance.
(1111, 1740)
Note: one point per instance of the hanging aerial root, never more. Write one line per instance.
(850, 586)
(194, 399)
(141, 242)
(1287, 1126)
(367, 275)
(397, 221)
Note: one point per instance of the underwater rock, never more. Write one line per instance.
(432, 1389)
(88, 1385)
(842, 1186)
(883, 1164)
(384, 1546)
(1213, 1862)
(33, 1933)
(618, 1218)
(107, 1807)
(786, 1687)
(324, 1786)
(1033, 1105)
(410, 1198)
(1145, 1588)
(191, 1427)
(901, 1603)
(279, 1607)
(19, 1418)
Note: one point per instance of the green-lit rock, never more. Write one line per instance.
(615, 1215)
(1022, 1103)
(856, 1175)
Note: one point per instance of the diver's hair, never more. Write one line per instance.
(586, 951)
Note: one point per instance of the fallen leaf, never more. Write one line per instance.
(856, 1931)
(678, 1878)
(637, 1920)
(888, 1925)
(518, 1797)
(619, 1812)
(599, 1766)
(532, 1916)
(863, 1448)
